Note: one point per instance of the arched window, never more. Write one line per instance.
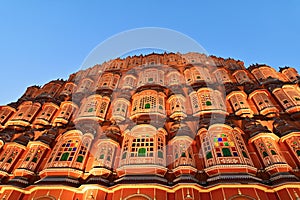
(207, 100)
(70, 151)
(105, 154)
(288, 96)
(241, 77)
(151, 76)
(224, 145)
(119, 109)
(50, 89)
(108, 80)
(294, 145)
(182, 152)
(174, 78)
(283, 98)
(222, 76)
(263, 73)
(143, 145)
(129, 82)
(5, 113)
(293, 94)
(69, 88)
(10, 155)
(176, 105)
(65, 112)
(46, 114)
(33, 157)
(94, 106)
(197, 74)
(291, 74)
(26, 112)
(85, 85)
(148, 101)
(268, 151)
(239, 103)
(261, 100)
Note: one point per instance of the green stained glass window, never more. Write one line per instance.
(265, 154)
(150, 79)
(79, 159)
(90, 110)
(27, 158)
(142, 152)
(9, 160)
(147, 105)
(208, 103)
(65, 156)
(273, 152)
(160, 154)
(298, 152)
(34, 159)
(226, 152)
(101, 156)
(209, 155)
(183, 154)
(124, 155)
(244, 154)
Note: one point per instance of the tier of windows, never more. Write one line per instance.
(26, 111)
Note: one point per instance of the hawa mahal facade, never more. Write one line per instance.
(159, 126)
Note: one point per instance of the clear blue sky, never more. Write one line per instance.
(45, 40)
